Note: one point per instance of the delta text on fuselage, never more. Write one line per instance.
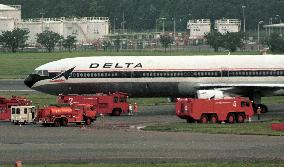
(116, 65)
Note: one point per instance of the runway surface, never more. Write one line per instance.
(118, 139)
(13, 85)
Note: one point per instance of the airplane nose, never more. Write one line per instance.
(30, 81)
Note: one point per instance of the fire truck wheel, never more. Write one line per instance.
(63, 122)
(116, 112)
(204, 119)
(231, 118)
(241, 118)
(214, 119)
(44, 124)
(190, 120)
(88, 121)
(57, 122)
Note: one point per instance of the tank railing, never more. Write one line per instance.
(61, 19)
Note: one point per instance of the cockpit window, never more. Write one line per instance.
(41, 72)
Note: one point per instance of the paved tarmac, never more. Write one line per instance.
(118, 139)
(13, 85)
(34, 144)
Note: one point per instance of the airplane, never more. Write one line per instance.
(252, 76)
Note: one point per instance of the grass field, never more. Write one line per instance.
(255, 128)
(19, 65)
(41, 99)
(190, 164)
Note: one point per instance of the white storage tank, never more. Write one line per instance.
(11, 11)
(228, 25)
(198, 28)
(7, 24)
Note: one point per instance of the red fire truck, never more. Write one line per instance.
(61, 116)
(106, 104)
(5, 106)
(230, 110)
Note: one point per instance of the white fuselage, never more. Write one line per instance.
(146, 76)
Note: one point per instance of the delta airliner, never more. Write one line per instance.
(252, 76)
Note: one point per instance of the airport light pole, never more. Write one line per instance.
(280, 21)
(42, 13)
(174, 28)
(114, 25)
(244, 18)
(163, 18)
(269, 28)
(157, 25)
(260, 22)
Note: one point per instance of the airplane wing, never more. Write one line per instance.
(245, 89)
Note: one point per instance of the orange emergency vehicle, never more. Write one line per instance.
(229, 110)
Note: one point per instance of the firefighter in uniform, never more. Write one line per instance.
(135, 107)
(258, 112)
(130, 113)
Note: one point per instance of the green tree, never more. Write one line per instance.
(214, 39)
(276, 43)
(166, 40)
(14, 39)
(70, 42)
(48, 39)
(233, 40)
(106, 45)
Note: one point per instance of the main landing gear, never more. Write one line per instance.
(256, 98)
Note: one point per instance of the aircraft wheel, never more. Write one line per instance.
(204, 119)
(231, 118)
(57, 122)
(241, 118)
(214, 119)
(263, 108)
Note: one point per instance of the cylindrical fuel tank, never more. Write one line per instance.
(57, 111)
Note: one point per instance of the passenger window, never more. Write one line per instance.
(25, 111)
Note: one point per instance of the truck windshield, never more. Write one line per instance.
(122, 99)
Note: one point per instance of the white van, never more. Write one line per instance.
(22, 114)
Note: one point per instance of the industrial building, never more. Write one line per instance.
(87, 29)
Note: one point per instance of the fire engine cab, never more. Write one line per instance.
(230, 110)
